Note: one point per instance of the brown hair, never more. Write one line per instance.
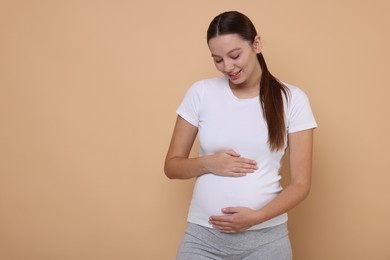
(271, 89)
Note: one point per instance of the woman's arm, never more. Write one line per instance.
(178, 165)
(241, 218)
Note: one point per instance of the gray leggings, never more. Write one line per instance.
(200, 243)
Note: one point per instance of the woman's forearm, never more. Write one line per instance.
(301, 144)
(224, 163)
(185, 168)
(290, 197)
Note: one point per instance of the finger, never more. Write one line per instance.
(241, 170)
(225, 229)
(228, 231)
(219, 219)
(246, 166)
(239, 173)
(246, 161)
(222, 226)
(232, 153)
(230, 210)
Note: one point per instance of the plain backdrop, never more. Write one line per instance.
(88, 92)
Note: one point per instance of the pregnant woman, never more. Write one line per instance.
(245, 120)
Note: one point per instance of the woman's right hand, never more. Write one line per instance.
(178, 165)
(230, 163)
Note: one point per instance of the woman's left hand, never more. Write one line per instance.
(237, 219)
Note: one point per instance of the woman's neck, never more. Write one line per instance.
(249, 88)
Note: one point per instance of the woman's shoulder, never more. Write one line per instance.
(294, 91)
(291, 88)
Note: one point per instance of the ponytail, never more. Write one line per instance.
(271, 101)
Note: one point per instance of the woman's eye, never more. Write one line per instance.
(217, 61)
(235, 57)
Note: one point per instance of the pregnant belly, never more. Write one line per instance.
(212, 193)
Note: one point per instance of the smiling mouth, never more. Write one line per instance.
(234, 75)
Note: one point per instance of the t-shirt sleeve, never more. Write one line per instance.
(300, 116)
(190, 106)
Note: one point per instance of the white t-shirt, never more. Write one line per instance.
(227, 122)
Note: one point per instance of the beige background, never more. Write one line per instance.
(88, 92)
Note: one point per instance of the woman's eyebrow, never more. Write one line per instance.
(233, 50)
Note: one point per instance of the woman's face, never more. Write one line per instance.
(236, 58)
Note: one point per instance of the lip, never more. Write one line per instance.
(235, 75)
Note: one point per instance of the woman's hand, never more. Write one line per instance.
(178, 165)
(237, 219)
(230, 163)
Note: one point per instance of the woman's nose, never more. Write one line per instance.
(228, 66)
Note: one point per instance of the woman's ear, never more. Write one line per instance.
(257, 46)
